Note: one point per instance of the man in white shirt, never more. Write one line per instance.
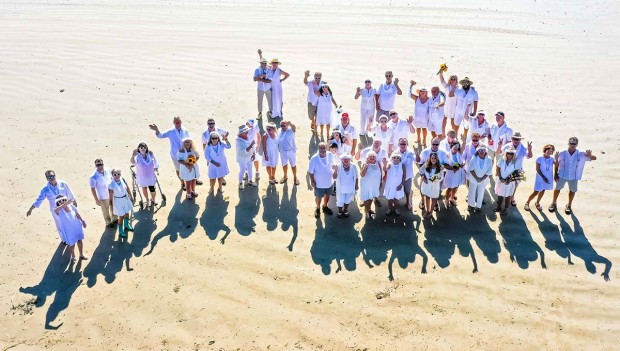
(408, 159)
(479, 125)
(99, 182)
(175, 136)
(501, 134)
(347, 130)
(466, 104)
(385, 96)
(320, 171)
(288, 148)
(313, 98)
(446, 144)
(50, 191)
(400, 128)
(367, 109)
(569, 165)
(377, 148)
(263, 85)
(210, 129)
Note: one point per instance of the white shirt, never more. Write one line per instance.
(286, 140)
(385, 136)
(470, 151)
(175, 136)
(387, 96)
(503, 133)
(321, 168)
(480, 166)
(481, 129)
(368, 99)
(408, 159)
(348, 130)
(50, 192)
(571, 166)
(399, 129)
(312, 97)
(244, 156)
(445, 146)
(207, 134)
(262, 86)
(381, 155)
(465, 98)
(521, 152)
(442, 157)
(100, 183)
(436, 113)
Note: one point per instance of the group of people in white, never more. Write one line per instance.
(342, 167)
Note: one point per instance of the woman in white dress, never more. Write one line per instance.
(450, 88)
(367, 110)
(216, 158)
(269, 145)
(188, 170)
(71, 225)
(121, 202)
(454, 177)
(277, 76)
(421, 112)
(370, 187)
(544, 176)
(436, 117)
(504, 185)
(394, 178)
(146, 166)
(381, 131)
(430, 188)
(324, 107)
(347, 183)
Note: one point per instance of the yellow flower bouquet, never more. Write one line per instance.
(442, 68)
(191, 160)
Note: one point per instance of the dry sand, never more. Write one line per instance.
(259, 272)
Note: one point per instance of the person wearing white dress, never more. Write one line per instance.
(544, 176)
(276, 76)
(450, 88)
(569, 165)
(324, 107)
(146, 166)
(121, 202)
(421, 112)
(320, 171)
(367, 108)
(215, 153)
(479, 169)
(254, 135)
(245, 152)
(394, 179)
(71, 224)
(370, 183)
(337, 138)
(385, 96)
(269, 144)
(189, 170)
(99, 188)
(400, 128)
(50, 191)
(454, 177)
(521, 154)
(437, 118)
(431, 175)
(479, 125)
(347, 183)
(287, 147)
(312, 99)
(382, 132)
(504, 185)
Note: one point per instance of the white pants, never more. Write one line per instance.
(476, 192)
(344, 199)
(245, 167)
(288, 157)
(366, 118)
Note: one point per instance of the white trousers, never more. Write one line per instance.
(245, 167)
(476, 192)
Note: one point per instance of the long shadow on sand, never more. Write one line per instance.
(61, 279)
(246, 210)
(289, 213)
(518, 240)
(271, 207)
(212, 219)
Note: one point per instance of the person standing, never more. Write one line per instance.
(385, 96)
(421, 111)
(263, 85)
(370, 183)
(521, 153)
(430, 188)
(380, 153)
(450, 89)
(121, 202)
(287, 147)
(454, 177)
(501, 134)
(188, 157)
(50, 191)
(72, 226)
(544, 176)
(269, 145)
(347, 179)
(505, 185)
(99, 181)
(479, 125)
(394, 179)
(437, 118)
(313, 98)
(569, 167)
(146, 166)
(348, 131)
(276, 76)
(175, 136)
(367, 108)
(206, 135)
(215, 153)
(254, 135)
(320, 171)
(400, 128)
(245, 152)
(324, 107)
(382, 132)
(407, 159)
(466, 104)
(479, 169)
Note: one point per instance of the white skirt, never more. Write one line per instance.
(218, 172)
(122, 205)
(188, 175)
(502, 189)
(431, 189)
(454, 179)
(370, 185)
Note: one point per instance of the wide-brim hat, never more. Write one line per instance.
(251, 122)
(510, 150)
(466, 80)
(275, 60)
(481, 148)
(384, 117)
(243, 129)
(271, 125)
(263, 60)
(421, 90)
(517, 135)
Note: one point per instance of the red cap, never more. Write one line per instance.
(344, 115)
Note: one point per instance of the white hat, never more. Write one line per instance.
(243, 129)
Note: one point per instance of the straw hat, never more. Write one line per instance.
(517, 135)
(275, 60)
(465, 80)
(425, 89)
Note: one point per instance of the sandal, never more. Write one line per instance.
(397, 213)
(513, 203)
(283, 180)
(189, 196)
(224, 182)
(568, 210)
(82, 257)
(421, 205)
(194, 194)
(538, 207)
(211, 191)
(526, 207)
(251, 183)
(552, 207)
(317, 213)
(297, 181)
(345, 214)
(272, 181)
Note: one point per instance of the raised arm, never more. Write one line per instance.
(306, 75)
(358, 93)
(398, 91)
(413, 96)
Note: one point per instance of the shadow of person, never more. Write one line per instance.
(313, 146)
(289, 213)
(376, 242)
(551, 233)
(246, 210)
(485, 238)
(271, 207)
(404, 250)
(212, 219)
(144, 228)
(61, 279)
(579, 245)
(100, 260)
(518, 240)
(182, 221)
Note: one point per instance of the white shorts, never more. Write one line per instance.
(436, 125)
(176, 163)
(288, 157)
(344, 199)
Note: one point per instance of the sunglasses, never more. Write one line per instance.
(367, 81)
(395, 158)
(51, 176)
(388, 76)
(187, 142)
(475, 140)
(98, 164)
(393, 114)
(572, 143)
(402, 144)
(211, 123)
(435, 144)
(116, 174)
(215, 138)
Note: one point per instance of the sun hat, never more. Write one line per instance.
(481, 148)
(271, 125)
(251, 122)
(243, 129)
(481, 112)
(422, 89)
(573, 140)
(383, 117)
(275, 60)
(263, 60)
(466, 80)
(517, 135)
(510, 150)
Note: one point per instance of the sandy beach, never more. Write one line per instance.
(255, 270)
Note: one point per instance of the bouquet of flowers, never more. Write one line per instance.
(191, 160)
(456, 166)
(442, 68)
(434, 178)
(517, 175)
